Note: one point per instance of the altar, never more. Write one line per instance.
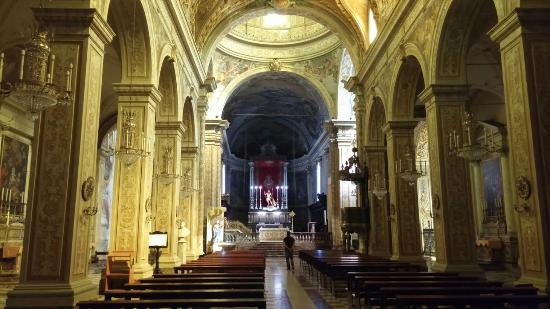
(269, 234)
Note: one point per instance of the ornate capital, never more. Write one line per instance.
(447, 94)
(138, 91)
(530, 21)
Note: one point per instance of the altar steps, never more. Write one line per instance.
(271, 249)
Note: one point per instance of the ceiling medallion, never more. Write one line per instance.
(281, 4)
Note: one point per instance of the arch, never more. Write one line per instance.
(452, 33)
(190, 135)
(168, 87)
(130, 20)
(246, 76)
(409, 77)
(348, 37)
(376, 119)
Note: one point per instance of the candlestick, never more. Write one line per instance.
(1, 66)
(485, 137)
(52, 64)
(67, 77)
(450, 141)
(22, 64)
(70, 86)
(468, 136)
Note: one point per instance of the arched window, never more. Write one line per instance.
(373, 29)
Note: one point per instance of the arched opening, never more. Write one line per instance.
(274, 140)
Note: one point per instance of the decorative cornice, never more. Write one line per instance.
(171, 126)
(138, 90)
(444, 93)
(529, 21)
(391, 126)
(60, 18)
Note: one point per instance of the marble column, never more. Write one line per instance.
(189, 206)
(380, 237)
(334, 215)
(454, 226)
(213, 163)
(57, 229)
(166, 188)
(405, 222)
(132, 203)
(524, 38)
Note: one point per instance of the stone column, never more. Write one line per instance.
(454, 226)
(380, 233)
(57, 230)
(132, 201)
(166, 188)
(334, 215)
(213, 163)
(524, 38)
(405, 223)
(189, 206)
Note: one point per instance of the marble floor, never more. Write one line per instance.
(295, 289)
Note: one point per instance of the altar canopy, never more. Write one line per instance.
(268, 189)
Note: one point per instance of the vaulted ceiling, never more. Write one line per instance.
(278, 108)
(211, 18)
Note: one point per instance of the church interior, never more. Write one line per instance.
(157, 154)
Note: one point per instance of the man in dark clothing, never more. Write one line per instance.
(289, 251)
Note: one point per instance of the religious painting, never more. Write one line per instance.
(492, 189)
(269, 176)
(14, 166)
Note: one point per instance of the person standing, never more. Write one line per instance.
(289, 251)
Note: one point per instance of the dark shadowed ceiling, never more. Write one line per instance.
(280, 108)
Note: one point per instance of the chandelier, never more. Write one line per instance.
(413, 169)
(469, 148)
(379, 186)
(34, 90)
(187, 187)
(352, 170)
(165, 168)
(132, 147)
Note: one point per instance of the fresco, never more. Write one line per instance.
(14, 163)
(325, 69)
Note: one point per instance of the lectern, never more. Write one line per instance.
(158, 240)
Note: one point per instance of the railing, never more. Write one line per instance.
(307, 236)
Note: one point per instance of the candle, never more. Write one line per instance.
(22, 64)
(67, 77)
(450, 141)
(70, 77)
(52, 63)
(1, 66)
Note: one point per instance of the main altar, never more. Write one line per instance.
(268, 195)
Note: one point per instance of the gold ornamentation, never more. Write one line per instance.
(88, 188)
(523, 187)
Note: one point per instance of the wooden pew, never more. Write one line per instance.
(259, 303)
(219, 278)
(476, 301)
(219, 268)
(185, 294)
(194, 285)
(204, 274)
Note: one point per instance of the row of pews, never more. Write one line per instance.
(228, 279)
(375, 282)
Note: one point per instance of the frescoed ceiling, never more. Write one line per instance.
(278, 108)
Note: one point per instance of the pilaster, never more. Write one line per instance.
(380, 237)
(213, 163)
(57, 231)
(524, 38)
(405, 222)
(132, 198)
(189, 206)
(202, 108)
(166, 194)
(454, 226)
(334, 215)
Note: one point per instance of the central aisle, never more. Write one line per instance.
(294, 290)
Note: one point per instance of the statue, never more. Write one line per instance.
(271, 202)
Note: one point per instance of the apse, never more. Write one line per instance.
(278, 108)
